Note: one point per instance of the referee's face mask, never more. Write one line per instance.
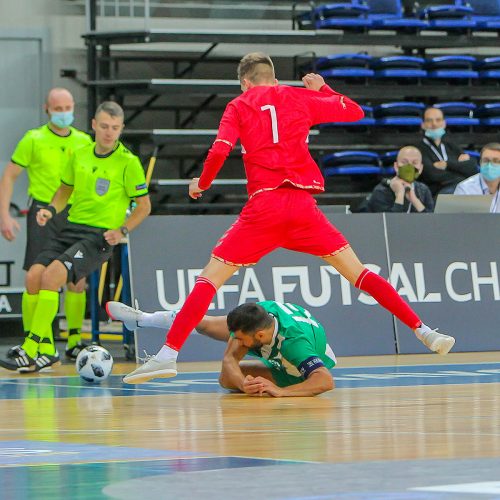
(62, 119)
(60, 107)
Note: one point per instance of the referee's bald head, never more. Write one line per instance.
(58, 94)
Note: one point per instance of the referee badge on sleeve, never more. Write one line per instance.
(102, 186)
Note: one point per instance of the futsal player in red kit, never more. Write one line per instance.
(272, 122)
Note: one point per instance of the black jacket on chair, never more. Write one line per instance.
(455, 172)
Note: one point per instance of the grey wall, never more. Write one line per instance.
(23, 65)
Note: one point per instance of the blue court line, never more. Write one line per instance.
(207, 382)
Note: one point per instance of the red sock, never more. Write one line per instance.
(193, 310)
(384, 293)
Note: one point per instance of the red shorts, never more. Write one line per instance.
(280, 218)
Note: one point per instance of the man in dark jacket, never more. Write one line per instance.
(445, 164)
(402, 193)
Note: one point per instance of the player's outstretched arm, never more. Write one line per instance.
(313, 81)
(214, 327)
(319, 381)
(328, 105)
(231, 377)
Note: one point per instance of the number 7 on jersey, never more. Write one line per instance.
(274, 121)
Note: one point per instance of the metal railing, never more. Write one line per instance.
(118, 8)
(215, 9)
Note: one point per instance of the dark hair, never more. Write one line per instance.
(491, 145)
(256, 67)
(248, 318)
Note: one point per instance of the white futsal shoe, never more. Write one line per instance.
(152, 368)
(435, 341)
(127, 315)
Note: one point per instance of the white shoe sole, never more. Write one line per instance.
(141, 378)
(443, 345)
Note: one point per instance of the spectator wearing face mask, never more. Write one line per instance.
(402, 193)
(487, 181)
(445, 164)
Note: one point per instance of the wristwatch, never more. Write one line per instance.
(124, 230)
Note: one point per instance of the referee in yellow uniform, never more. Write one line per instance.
(103, 179)
(42, 152)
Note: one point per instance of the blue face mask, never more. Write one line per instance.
(490, 171)
(62, 119)
(436, 133)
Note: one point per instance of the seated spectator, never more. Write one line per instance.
(402, 193)
(445, 164)
(487, 181)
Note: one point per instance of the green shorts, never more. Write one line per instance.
(279, 373)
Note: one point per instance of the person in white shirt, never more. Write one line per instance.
(487, 181)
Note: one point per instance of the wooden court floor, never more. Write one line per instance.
(388, 409)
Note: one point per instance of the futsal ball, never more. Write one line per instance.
(94, 363)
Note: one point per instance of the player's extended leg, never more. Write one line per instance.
(348, 265)
(74, 308)
(164, 363)
(214, 327)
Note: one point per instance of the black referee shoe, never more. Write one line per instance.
(75, 350)
(45, 362)
(22, 363)
(26, 364)
(15, 351)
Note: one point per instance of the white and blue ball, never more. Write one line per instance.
(94, 364)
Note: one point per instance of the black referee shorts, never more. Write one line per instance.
(38, 236)
(80, 248)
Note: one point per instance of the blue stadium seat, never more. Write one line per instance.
(458, 114)
(489, 67)
(388, 14)
(486, 14)
(399, 67)
(344, 66)
(400, 114)
(489, 114)
(341, 15)
(473, 154)
(454, 67)
(351, 163)
(455, 16)
(387, 161)
(367, 120)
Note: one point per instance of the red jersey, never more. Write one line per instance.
(273, 123)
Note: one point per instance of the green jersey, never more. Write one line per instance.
(43, 154)
(103, 185)
(299, 342)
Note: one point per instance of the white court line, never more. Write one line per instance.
(104, 388)
(483, 488)
(257, 431)
(395, 366)
(111, 375)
